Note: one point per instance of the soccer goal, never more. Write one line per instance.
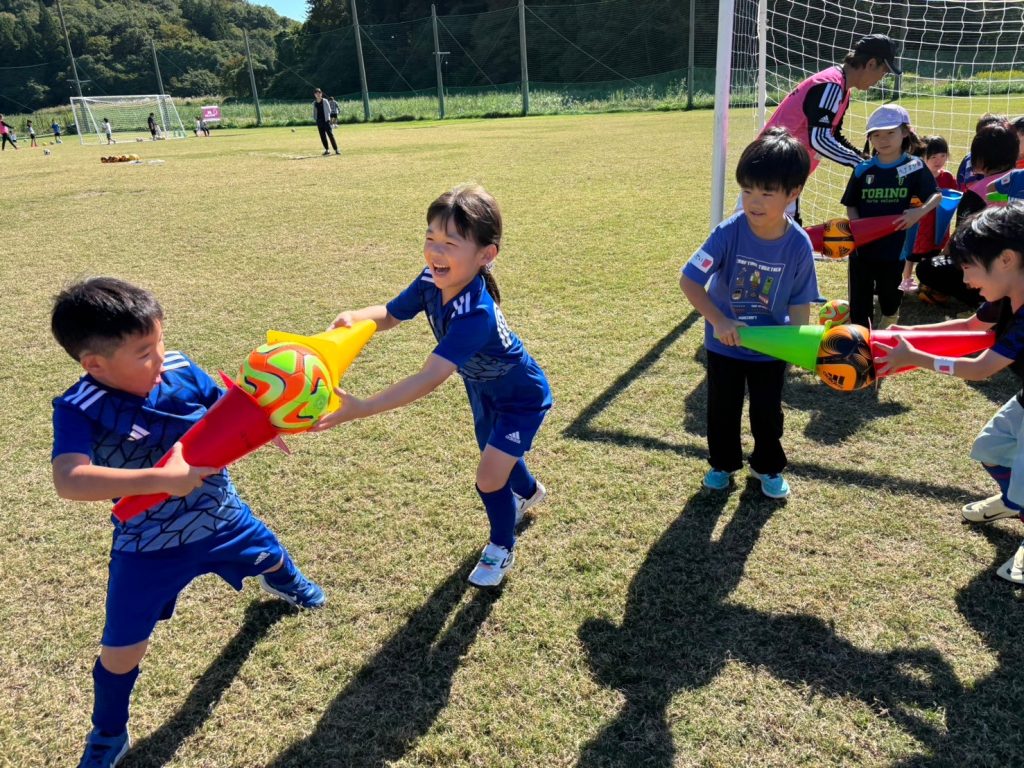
(960, 59)
(128, 117)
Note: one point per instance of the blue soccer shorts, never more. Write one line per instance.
(509, 427)
(144, 586)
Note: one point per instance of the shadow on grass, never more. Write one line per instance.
(679, 631)
(983, 723)
(159, 747)
(829, 422)
(395, 698)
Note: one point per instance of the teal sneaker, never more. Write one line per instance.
(717, 480)
(772, 486)
(104, 751)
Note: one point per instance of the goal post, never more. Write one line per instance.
(960, 59)
(128, 117)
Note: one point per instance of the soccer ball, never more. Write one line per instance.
(836, 312)
(46, 151)
(844, 358)
(293, 130)
(838, 239)
(290, 382)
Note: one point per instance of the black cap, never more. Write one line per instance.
(879, 47)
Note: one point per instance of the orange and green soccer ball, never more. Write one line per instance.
(837, 239)
(290, 382)
(844, 358)
(836, 312)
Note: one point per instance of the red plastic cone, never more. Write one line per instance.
(817, 235)
(233, 427)
(943, 343)
(872, 228)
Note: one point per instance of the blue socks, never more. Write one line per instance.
(1002, 476)
(283, 575)
(501, 512)
(111, 694)
(523, 484)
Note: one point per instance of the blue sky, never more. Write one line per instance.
(293, 9)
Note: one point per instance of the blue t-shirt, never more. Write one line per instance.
(881, 189)
(1012, 185)
(472, 334)
(118, 429)
(753, 280)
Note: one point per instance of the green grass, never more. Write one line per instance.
(645, 623)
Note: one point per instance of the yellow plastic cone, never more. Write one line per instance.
(337, 348)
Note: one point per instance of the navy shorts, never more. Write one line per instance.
(144, 586)
(509, 425)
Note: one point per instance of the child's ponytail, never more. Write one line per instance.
(487, 273)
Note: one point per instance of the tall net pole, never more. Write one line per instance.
(524, 71)
(362, 65)
(723, 72)
(252, 79)
(71, 56)
(437, 63)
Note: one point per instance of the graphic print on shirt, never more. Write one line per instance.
(755, 287)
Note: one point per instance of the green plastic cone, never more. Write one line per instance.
(796, 344)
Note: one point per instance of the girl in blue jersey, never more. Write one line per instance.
(507, 390)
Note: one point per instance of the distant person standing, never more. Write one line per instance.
(151, 122)
(31, 135)
(334, 109)
(322, 115)
(56, 131)
(108, 131)
(7, 135)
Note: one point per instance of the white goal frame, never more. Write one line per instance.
(127, 115)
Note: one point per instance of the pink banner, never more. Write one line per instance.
(211, 114)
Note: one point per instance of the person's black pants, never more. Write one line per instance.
(868, 277)
(943, 276)
(325, 134)
(728, 378)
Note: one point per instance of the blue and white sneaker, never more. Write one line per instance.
(494, 561)
(300, 591)
(104, 751)
(717, 480)
(522, 505)
(772, 486)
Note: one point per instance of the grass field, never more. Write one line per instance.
(646, 623)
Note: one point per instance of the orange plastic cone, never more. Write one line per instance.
(235, 426)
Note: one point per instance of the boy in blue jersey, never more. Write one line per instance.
(133, 404)
(756, 268)
(507, 390)
(989, 248)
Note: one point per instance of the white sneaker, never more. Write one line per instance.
(490, 570)
(524, 504)
(1013, 569)
(987, 510)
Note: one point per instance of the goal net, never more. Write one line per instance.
(128, 117)
(960, 59)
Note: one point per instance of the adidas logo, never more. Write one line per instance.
(513, 437)
(825, 120)
(137, 433)
(262, 556)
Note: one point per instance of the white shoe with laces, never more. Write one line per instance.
(494, 561)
